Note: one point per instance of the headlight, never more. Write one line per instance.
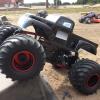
(67, 24)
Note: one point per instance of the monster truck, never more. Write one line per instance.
(89, 18)
(24, 53)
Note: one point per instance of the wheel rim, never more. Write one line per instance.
(23, 61)
(93, 81)
(89, 21)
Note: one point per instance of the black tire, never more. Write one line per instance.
(98, 16)
(81, 20)
(87, 21)
(6, 31)
(85, 76)
(21, 57)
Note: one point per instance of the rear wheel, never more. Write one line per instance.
(98, 16)
(88, 21)
(85, 76)
(6, 31)
(21, 57)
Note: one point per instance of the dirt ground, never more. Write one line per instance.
(58, 78)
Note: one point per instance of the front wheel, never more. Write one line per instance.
(85, 76)
(81, 20)
(21, 57)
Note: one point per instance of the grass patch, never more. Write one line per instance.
(50, 10)
(74, 10)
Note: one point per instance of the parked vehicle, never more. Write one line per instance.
(89, 18)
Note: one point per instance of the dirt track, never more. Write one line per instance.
(58, 79)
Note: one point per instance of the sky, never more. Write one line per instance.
(51, 1)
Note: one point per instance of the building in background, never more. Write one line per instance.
(10, 2)
(7, 1)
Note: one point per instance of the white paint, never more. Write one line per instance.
(23, 21)
(67, 25)
(53, 17)
(62, 35)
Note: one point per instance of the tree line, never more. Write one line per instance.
(87, 1)
(59, 2)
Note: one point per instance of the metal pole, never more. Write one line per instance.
(56, 3)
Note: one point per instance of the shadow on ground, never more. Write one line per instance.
(35, 89)
(68, 92)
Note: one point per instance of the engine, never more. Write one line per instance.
(55, 55)
(64, 58)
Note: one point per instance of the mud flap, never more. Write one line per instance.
(86, 46)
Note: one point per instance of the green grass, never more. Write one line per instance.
(74, 10)
(50, 10)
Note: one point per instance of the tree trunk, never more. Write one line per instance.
(46, 3)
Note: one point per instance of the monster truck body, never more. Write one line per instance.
(23, 56)
(59, 30)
